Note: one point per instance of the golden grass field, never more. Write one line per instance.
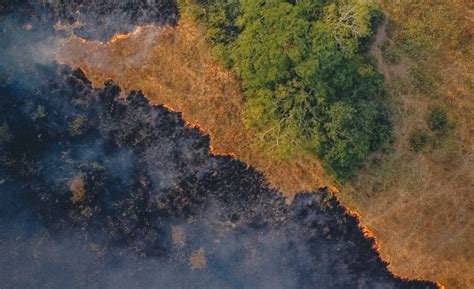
(420, 206)
(173, 66)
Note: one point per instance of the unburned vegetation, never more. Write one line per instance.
(417, 196)
(174, 66)
(308, 82)
(414, 193)
(139, 202)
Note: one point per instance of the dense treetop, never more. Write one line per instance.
(308, 81)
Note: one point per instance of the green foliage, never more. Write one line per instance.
(424, 80)
(222, 30)
(416, 41)
(423, 27)
(438, 120)
(439, 123)
(390, 53)
(307, 83)
(376, 18)
(419, 140)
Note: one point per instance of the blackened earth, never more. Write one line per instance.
(93, 19)
(99, 191)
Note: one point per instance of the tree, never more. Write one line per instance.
(307, 83)
(438, 120)
(347, 144)
(349, 21)
(419, 140)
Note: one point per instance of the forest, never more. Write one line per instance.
(308, 81)
(105, 180)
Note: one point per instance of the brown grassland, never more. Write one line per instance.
(419, 205)
(174, 66)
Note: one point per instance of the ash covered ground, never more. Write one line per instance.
(103, 192)
(97, 19)
(99, 189)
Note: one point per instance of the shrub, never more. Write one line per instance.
(197, 259)
(39, 113)
(5, 135)
(390, 53)
(438, 120)
(424, 81)
(377, 18)
(77, 126)
(419, 140)
(77, 188)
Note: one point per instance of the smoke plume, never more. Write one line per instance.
(100, 189)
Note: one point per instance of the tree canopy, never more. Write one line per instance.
(308, 81)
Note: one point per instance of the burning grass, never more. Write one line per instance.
(419, 205)
(156, 209)
(173, 66)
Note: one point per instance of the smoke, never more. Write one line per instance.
(101, 19)
(26, 43)
(102, 190)
(139, 174)
(34, 30)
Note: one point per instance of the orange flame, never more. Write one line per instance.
(368, 234)
(376, 245)
(119, 37)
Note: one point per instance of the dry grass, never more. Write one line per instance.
(197, 260)
(77, 189)
(173, 66)
(178, 236)
(420, 206)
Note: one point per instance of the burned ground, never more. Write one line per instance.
(93, 187)
(98, 19)
(103, 190)
(103, 18)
